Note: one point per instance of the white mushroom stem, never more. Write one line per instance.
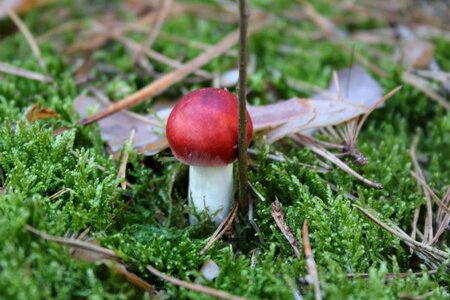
(211, 189)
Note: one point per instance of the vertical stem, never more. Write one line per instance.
(244, 14)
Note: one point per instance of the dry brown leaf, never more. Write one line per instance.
(116, 129)
(318, 113)
(39, 112)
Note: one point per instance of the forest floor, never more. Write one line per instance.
(337, 213)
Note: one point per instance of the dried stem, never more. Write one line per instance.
(223, 227)
(244, 14)
(27, 34)
(74, 243)
(310, 262)
(193, 286)
(12, 70)
(278, 216)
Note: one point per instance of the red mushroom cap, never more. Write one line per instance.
(202, 128)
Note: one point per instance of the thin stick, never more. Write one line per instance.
(162, 15)
(12, 70)
(310, 262)
(244, 14)
(318, 149)
(73, 242)
(193, 286)
(278, 216)
(27, 34)
(223, 227)
(159, 57)
(428, 226)
(169, 79)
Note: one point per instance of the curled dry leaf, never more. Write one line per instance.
(298, 115)
(39, 112)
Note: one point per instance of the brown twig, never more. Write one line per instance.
(244, 14)
(27, 34)
(160, 57)
(193, 286)
(310, 262)
(168, 79)
(424, 86)
(12, 70)
(73, 243)
(91, 252)
(428, 226)
(278, 216)
(223, 227)
(392, 276)
(432, 256)
(156, 28)
(311, 144)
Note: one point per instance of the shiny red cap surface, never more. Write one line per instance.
(202, 128)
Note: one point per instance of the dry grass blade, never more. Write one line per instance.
(91, 252)
(156, 28)
(278, 216)
(310, 262)
(159, 57)
(74, 243)
(123, 164)
(427, 188)
(27, 34)
(193, 286)
(131, 277)
(425, 87)
(59, 193)
(432, 256)
(372, 108)
(318, 149)
(167, 80)
(221, 229)
(12, 70)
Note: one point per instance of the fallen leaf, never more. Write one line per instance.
(116, 129)
(354, 85)
(273, 115)
(311, 114)
(38, 112)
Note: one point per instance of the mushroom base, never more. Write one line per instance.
(211, 189)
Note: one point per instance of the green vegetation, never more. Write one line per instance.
(147, 223)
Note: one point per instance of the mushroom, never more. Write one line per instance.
(202, 131)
